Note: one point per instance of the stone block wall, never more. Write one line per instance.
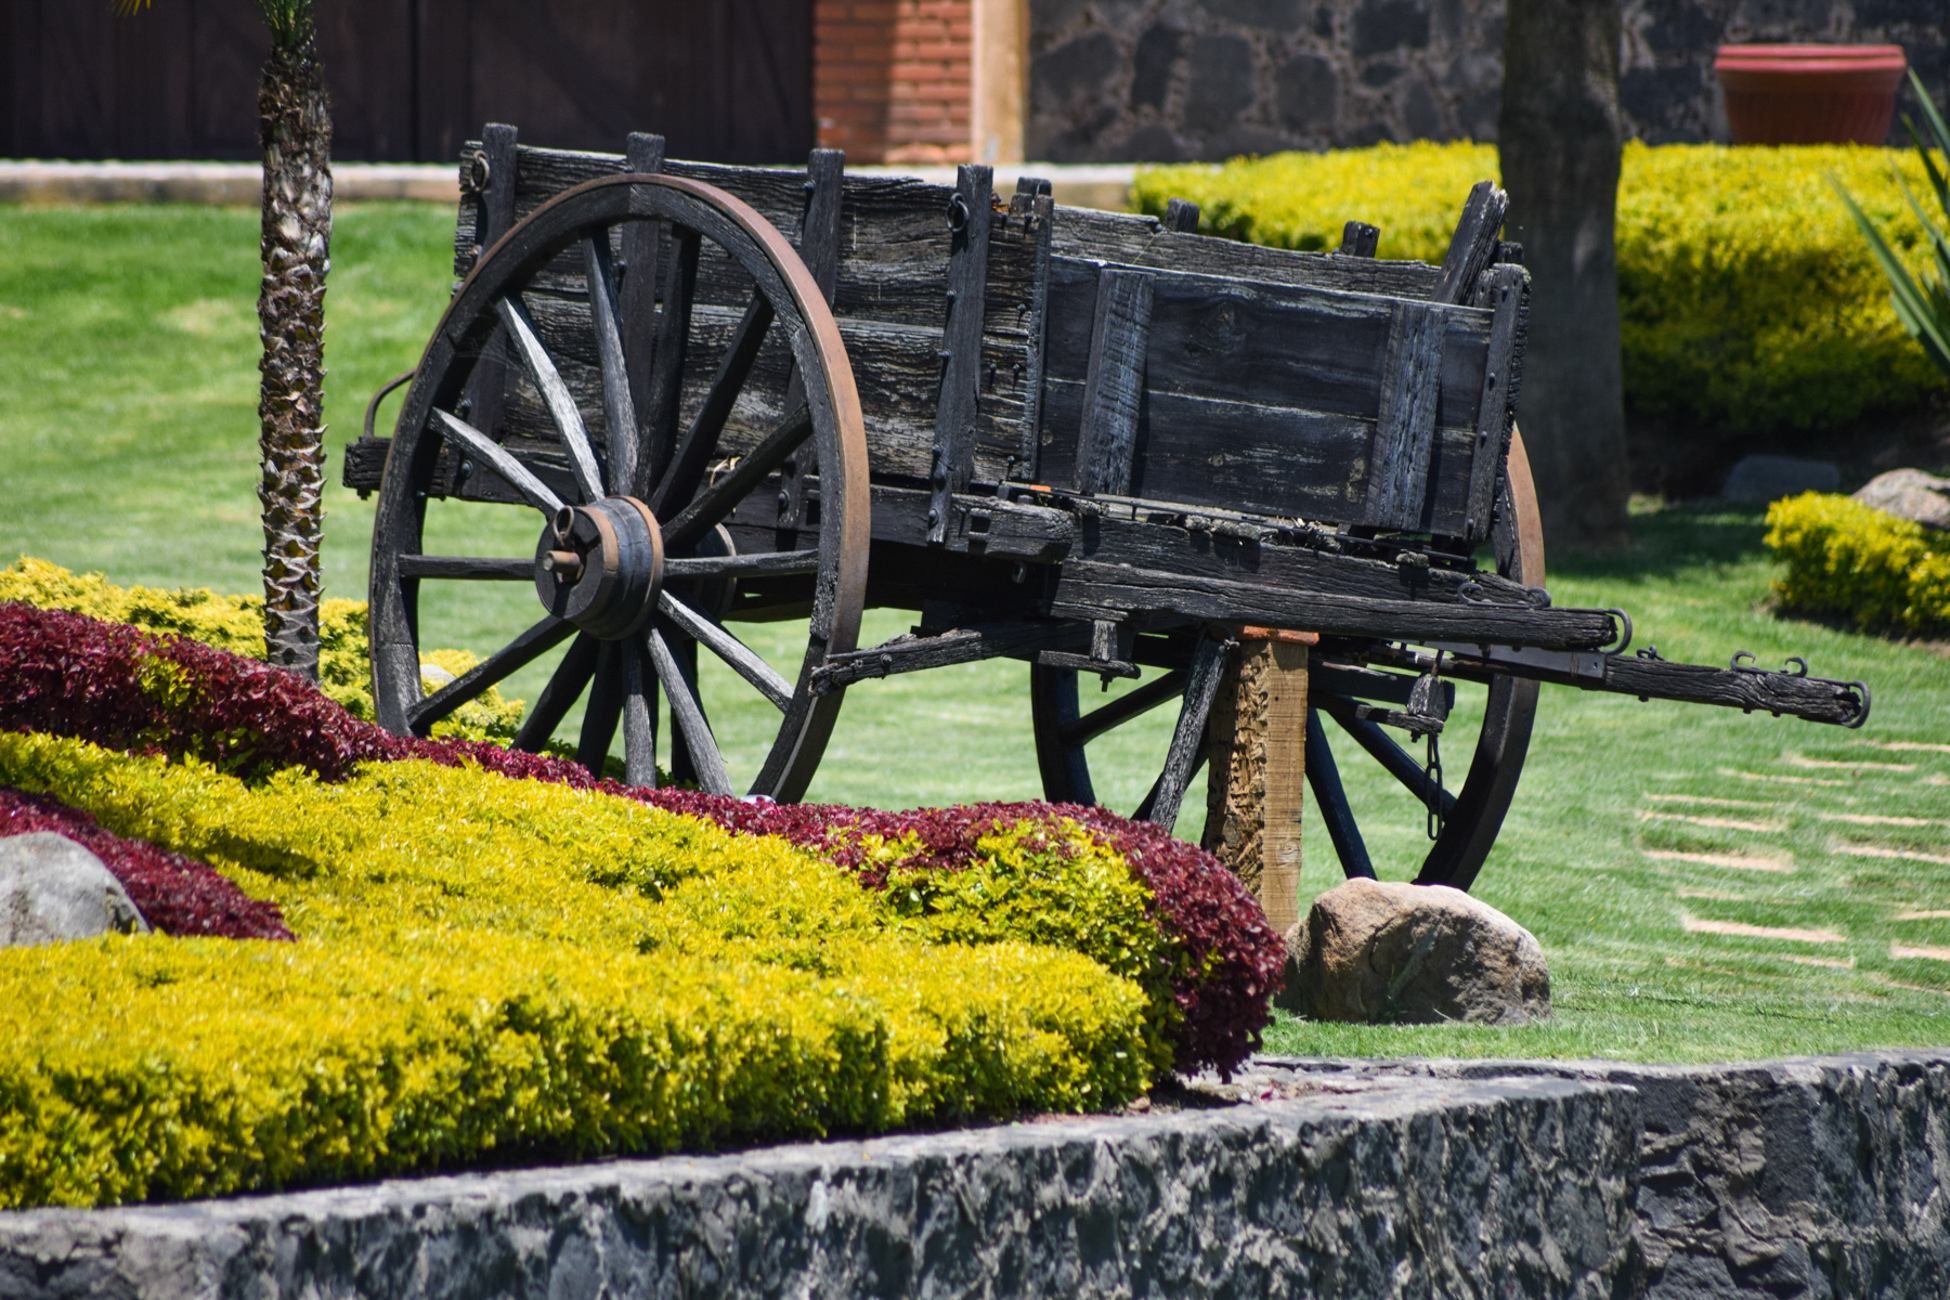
(891, 79)
(1172, 80)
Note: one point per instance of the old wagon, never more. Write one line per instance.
(1107, 446)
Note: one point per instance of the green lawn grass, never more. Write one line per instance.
(1648, 844)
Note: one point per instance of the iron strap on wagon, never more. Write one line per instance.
(1093, 442)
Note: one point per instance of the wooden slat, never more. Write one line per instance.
(1505, 290)
(1090, 590)
(637, 305)
(968, 216)
(1404, 436)
(480, 401)
(1188, 737)
(1144, 241)
(1113, 390)
(819, 249)
(1359, 239)
(1473, 245)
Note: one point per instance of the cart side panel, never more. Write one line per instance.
(1264, 398)
(890, 302)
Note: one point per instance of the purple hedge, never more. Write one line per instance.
(176, 895)
(69, 675)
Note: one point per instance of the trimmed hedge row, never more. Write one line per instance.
(1851, 561)
(493, 967)
(177, 895)
(236, 624)
(1748, 299)
(65, 675)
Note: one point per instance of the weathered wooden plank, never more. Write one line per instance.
(969, 213)
(1188, 737)
(1404, 436)
(1181, 216)
(1144, 241)
(1505, 290)
(1086, 589)
(1256, 745)
(1029, 224)
(641, 257)
(911, 654)
(1271, 344)
(819, 248)
(1359, 239)
(1473, 245)
(1253, 458)
(1113, 391)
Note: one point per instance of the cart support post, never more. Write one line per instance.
(1257, 746)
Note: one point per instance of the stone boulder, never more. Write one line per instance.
(1769, 478)
(1909, 494)
(52, 889)
(1374, 952)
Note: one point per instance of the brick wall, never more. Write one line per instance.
(891, 79)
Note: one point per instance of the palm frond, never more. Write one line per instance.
(290, 21)
(1919, 309)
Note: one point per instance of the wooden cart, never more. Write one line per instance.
(1092, 442)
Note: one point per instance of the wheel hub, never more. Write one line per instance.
(601, 565)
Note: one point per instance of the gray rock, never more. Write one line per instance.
(1372, 952)
(1769, 478)
(52, 889)
(1909, 494)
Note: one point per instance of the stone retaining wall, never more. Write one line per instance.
(1168, 80)
(1811, 1178)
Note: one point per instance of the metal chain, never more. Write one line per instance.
(1433, 770)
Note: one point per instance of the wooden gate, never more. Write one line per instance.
(727, 80)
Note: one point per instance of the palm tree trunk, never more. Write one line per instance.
(295, 129)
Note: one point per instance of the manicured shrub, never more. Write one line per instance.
(493, 968)
(177, 895)
(69, 676)
(1851, 561)
(1748, 300)
(236, 624)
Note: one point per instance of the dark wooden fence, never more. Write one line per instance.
(725, 80)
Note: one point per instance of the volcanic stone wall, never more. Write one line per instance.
(1171, 80)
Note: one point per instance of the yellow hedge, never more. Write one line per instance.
(496, 966)
(236, 624)
(1852, 561)
(1748, 299)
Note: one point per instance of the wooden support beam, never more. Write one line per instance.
(1257, 739)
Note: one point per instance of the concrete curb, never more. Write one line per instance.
(239, 184)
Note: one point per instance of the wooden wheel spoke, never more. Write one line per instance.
(1121, 710)
(639, 717)
(761, 564)
(555, 393)
(1399, 763)
(605, 707)
(468, 568)
(519, 477)
(619, 409)
(517, 654)
(693, 454)
(667, 370)
(688, 713)
(1324, 779)
(570, 676)
(738, 656)
(718, 501)
(1188, 738)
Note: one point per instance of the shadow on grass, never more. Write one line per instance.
(1670, 538)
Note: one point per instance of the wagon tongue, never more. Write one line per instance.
(601, 565)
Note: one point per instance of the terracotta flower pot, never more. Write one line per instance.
(1810, 94)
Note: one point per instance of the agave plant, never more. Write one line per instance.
(294, 126)
(1923, 307)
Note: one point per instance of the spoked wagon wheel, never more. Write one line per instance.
(1470, 817)
(633, 565)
